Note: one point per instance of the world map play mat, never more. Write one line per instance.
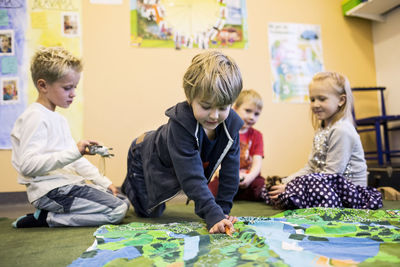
(304, 237)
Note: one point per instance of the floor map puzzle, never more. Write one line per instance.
(305, 237)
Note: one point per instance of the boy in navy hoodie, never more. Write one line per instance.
(201, 134)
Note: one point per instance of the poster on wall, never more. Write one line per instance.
(57, 23)
(183, 24)
(13, 76)
(295, 56)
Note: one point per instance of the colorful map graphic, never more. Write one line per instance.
(307, 237)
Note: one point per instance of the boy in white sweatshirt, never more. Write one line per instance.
(49, 162)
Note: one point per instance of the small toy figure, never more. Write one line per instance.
(269, 182)
(272, 180)
(101, 150)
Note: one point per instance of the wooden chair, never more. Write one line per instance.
(380, 125)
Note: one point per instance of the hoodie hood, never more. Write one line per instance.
(182, 113)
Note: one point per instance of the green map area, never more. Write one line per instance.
(307, 237)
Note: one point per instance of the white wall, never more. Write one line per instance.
(386, 41)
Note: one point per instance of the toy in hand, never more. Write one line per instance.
(100, 150)
(242, 177)
(269, 182)
(228, 231)
(272, 180)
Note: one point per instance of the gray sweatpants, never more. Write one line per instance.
(82, 205)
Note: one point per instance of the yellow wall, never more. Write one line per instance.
(127, 90)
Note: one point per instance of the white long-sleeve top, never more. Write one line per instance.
(336, 149)
(45, 154)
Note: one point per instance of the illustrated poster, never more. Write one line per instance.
(296, 55)
(189, 23)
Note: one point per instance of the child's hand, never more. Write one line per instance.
(233, 219)
(245, 179)
(83, 146)
(113, 189)
(276, 190)
(219, 227)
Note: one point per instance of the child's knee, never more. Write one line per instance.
(118, 214)
(158, 211)
(153, 213)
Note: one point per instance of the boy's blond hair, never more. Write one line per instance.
(249, 95)
(214, 77)
(52, 63)
(341, 85)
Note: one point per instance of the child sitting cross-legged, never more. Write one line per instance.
(336, 172)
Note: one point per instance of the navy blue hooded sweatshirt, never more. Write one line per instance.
(172, 161)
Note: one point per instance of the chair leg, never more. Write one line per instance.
(379, 142)
(386, 140)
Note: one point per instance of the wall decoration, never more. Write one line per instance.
(295, 56)
(189, 23)
(13, 71)
(6, 42)
(10, 92)
(70, 24)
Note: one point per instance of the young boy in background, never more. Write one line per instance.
(201, 134)
(49, 162)
(248, 106)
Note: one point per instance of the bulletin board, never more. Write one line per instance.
(13, 70)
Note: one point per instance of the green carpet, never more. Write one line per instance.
(60, 246)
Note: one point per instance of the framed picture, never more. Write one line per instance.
(10, 91)
(6, 42)
(70, 24)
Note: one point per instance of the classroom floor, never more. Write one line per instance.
(60, 246)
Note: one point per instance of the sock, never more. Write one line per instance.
(38, 219)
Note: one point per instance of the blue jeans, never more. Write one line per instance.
(82, 205)
(134, 186)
